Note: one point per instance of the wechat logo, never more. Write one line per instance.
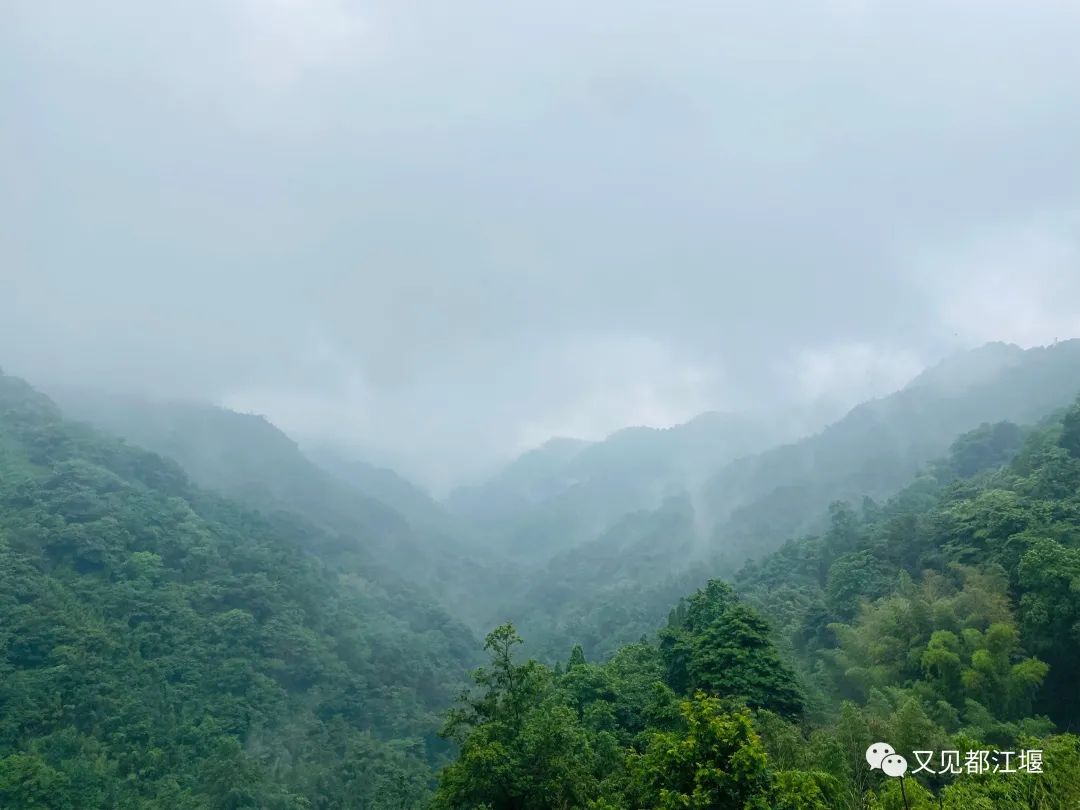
(884, 756)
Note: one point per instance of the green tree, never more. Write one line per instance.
(721, 646)
(716, 762)
(522, 747)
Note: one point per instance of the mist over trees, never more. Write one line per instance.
(222, 622)
(539, 406)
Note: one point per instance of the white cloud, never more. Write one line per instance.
(592, 385)
(283, 39)
(464, 196)
(326, 397)
(1020, 284)
(612, 381)
(844, 374)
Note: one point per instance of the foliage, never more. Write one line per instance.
(945, 619)
(715, 643)
(162, 647)
(716, 761)
(165, 647)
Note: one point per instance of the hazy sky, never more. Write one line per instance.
(452, 229)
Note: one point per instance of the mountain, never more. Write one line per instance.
(568, 492)
(531, 479)
(165, 647)
(757, 501)
(933, 637)
(591, 595)
(244, 627)
(549, 541)
(245, 457)
(386, 486)
(610, 587)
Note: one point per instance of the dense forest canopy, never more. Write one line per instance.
(945, 620)
(539, 405)
(225, 623)
(164, 647)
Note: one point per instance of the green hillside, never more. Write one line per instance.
(610, 588)
(164, 647)
(758, 501)
(276, 639)
(568, 492)
(947, 619)
(246, 458)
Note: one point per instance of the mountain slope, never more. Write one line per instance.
(1001, 512)
(245, 457)
(609, 589)
(591, 594)
(568, 492)
(164, 647)
(529, 480)
(757, 501)
(387, 487)
(944, 622)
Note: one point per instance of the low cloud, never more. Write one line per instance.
(847, 373)
(281, 40)
(446, 231)
(1019, 283)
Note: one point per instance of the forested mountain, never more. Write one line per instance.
(610, 588)
(245, 457)
(588, 543)
(568, 491)
(492, 405)
(759, 500)
(945, 620)
(423, 512)
(274, 639)
(165, 647)
(531, 479)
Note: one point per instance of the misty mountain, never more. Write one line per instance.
(592, 594)
(618, 582)
(531, 479)
(539, 406)
(245, 457)
(644, 510)
(568, 492)
(757, 501)
(152, 627)
(391, 489)
(943, 619)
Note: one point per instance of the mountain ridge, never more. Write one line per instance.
(246, 457)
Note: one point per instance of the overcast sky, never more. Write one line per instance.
(449, 230)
